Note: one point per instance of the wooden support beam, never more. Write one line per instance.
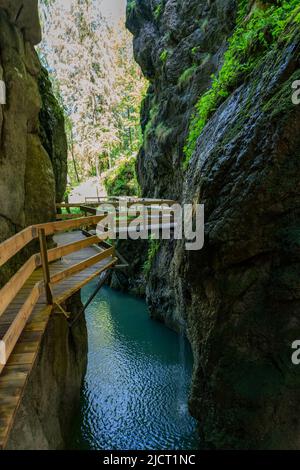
(73, 205)
(68, 216)
(45, 265)
(121, 258)
(82, 265)
(10, 290)
(89, 209)
(117, 201)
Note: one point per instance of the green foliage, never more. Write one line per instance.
(72, 210)
(158, 11)
(153, 249)
(131, 4)
(47, 3)
(252, 38)
(187, 74)
(102, 99)
(152, 118)
(164, 56)
(121, 180)
(162, 132)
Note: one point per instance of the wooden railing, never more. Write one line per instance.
(13, 245)
(116, 201)
(157, 206)
(160, 217)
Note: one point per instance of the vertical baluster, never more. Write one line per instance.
(45, 265)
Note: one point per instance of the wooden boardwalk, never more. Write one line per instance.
(15, 373)
(42, 284)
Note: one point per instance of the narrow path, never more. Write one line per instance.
(15, 373)
(91, 188)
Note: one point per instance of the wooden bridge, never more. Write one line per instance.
(42, 284)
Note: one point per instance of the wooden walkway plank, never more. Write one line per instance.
(67, 293)
(60, 251)
(79, 267)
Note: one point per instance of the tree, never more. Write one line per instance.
(101, 86)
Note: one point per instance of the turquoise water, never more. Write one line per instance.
(136, 388)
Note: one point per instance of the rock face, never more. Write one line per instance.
(52, 133)
(24, 15)
(33, 170)
(240, 295)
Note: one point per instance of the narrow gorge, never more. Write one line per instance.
(219, 126)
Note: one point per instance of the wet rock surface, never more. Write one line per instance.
(33, 150)
(52, 134)
(33, 166)
(239, 296)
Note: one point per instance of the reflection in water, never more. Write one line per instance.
(136, 388)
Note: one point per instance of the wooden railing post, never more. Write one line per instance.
(45, 265)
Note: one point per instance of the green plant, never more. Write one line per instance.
(252, 38)
(204, 25)
(158, 11)
(121, 180)
(187, 74)
(72, 210)
(164, 56)
(153, 114)
(131, 6)
(162, 132)
(153, 248)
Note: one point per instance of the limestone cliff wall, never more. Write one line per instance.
(33, 170)
(33, 149)
(52, 134)
(239, 296)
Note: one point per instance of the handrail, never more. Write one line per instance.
(8, 342)
(9, 291)
(64, 205)
(116, 202)
(68, 216)
(53, 227)
(14, 244)
(15, 284)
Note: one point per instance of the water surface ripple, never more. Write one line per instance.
(136, 388)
